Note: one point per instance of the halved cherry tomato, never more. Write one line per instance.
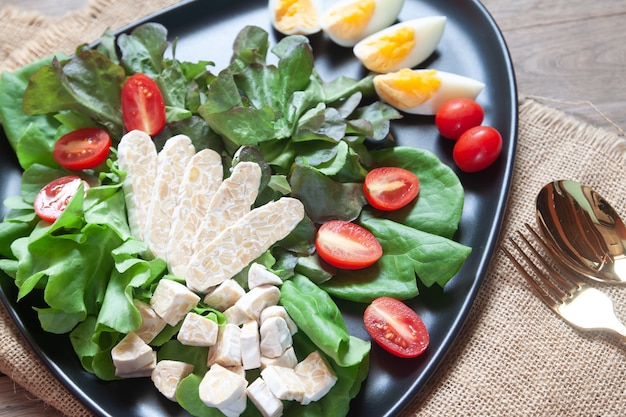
(143, 107)
(54, 197)
(390, 188)
(82, 149)
(477, 148)
(396, 328)
(458, 115)
(347, 245)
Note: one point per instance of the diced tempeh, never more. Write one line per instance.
(131, 354)
(241, 243)
(235, 408)
(284, 383)
(151, 322)
(171, 163)
(220, 387)
(228, 346)
(232, 200)
(172, 300)
(275, 337)
(279, 311)
(259, 275)
(317, 375)
(137, 156)
(224, 295)
(287, 359)
(256, 300)
(167, 375)
(201, 178)
(266, 402)
(235, 315)
(250, 350)
(142, 372)
(197, 330)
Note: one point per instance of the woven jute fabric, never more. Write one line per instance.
(513, 356)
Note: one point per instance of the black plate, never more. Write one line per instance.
(472, 45)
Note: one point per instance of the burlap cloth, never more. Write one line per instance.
(513, 356)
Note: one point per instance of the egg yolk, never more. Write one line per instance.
(349, 21)
(386, 52)
(407, 88)
(295, 14)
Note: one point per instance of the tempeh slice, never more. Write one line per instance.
(137, 156)
(241, 243)
(233, 200)
(202, 177)
(171, 163)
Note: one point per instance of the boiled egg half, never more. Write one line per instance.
(349, 21)
(403, 45)
(423, 91)
(295, 17)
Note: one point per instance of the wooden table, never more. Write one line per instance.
(571, 53)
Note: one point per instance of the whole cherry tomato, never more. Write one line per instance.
(477, 148)
(457, 116)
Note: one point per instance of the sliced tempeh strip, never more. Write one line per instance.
(137, 156)
(171, 164)
(239, 244)
(233, 200)
(202, 177)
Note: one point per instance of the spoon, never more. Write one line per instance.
(583, 231)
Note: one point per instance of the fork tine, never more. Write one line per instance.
(567, 280)
(558, 287)
(538, 289)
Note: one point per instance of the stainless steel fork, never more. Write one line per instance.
(582, 306)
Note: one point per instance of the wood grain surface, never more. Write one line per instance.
(569, 53)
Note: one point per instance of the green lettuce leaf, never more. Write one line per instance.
(14, 120)
(407, 252)
(88, 83)
(317, 316)
(439, 205)
(142, 50)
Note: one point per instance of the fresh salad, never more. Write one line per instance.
(322, 142)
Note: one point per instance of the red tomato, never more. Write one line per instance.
(396, 328)
(143, 107)
(82, 149)
(458, 115)
(52, 199)
(477, 148)
(347, 245)
(390, 188)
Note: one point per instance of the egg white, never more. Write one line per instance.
(451, 86)
(385, 13)
(298, 29)
(427, 32)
